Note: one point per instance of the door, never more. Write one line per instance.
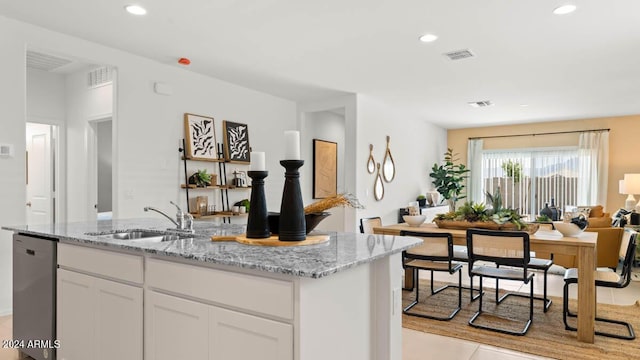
(100, 149)
(175, 328)
(75, 316)
(231, 331)
(118, 321)
(39, 174)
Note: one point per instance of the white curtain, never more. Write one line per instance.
(474, 163)
(593, 167)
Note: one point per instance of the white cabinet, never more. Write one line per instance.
(223, 320)
(235, 335)
(177, 328)
(75, 315)
(97, 318)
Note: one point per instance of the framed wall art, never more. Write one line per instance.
(236, 142)
(325, 169)
(200, 137)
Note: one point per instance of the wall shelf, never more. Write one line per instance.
(221, 185)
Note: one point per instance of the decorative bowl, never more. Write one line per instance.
(414, 220)
(567, 228)
(311, 221)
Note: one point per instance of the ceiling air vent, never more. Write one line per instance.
(99, 76)
(479, 104)
(46, 62)
(459, 54)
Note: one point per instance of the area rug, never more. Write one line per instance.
(546, 337)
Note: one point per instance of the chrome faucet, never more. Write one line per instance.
(184, 221)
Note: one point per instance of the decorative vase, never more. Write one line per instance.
(257, 224)
(292, 225)
(556, 214)
(546, 211)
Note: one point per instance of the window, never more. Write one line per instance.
(530, 178)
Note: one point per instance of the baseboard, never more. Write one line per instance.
(5, 312)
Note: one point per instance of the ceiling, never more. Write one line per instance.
(582, 65)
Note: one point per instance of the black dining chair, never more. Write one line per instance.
(434, 254)
(608, 279)
(488, 250)
(536, 264)
(367, 224)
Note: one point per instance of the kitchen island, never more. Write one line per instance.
(196, 299)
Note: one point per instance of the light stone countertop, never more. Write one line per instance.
(341, 252)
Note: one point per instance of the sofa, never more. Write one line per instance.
(609, 239)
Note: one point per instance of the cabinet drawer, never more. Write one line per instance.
(258, 294)
(102, 262)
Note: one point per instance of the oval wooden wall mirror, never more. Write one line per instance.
(371, 164)
(378, 186)
(388, 166)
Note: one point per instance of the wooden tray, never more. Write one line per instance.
(273, 240)
(490, 225)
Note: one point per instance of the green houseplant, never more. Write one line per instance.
(200, 178)
(478, 215)
(422, 200)
(448, 178)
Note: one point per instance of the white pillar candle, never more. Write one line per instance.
(257, 161)
(292, 145)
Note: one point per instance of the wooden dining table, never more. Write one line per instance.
(583, 247)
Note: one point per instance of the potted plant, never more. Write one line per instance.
(200, 178)
(448, 178)
(422, 200)
(473, 215)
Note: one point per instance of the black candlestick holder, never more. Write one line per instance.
(257, 224)
(292, 226)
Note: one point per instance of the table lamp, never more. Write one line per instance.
(631, 187)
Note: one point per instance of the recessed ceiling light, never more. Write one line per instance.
(524, 105)
(564, 9)
(135, 9)
(428, 38)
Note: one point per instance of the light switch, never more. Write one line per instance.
(6, 150)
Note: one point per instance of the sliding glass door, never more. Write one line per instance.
(530, 178)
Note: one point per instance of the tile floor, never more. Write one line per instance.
(422, 346)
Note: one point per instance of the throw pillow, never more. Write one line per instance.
(599, 222)
(597, 211)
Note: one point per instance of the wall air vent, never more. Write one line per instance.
(99, 76)
(459, 54)
(45, 62)
(479, 104)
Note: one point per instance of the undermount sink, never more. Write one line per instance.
(145, 235)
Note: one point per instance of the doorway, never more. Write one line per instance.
(102, 164)
(41, 173)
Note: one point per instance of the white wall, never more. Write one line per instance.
(45, 96)
(147, 127)
(83, 104)
(329, 126)
(415, 146)
(12, 181)
(348, 105)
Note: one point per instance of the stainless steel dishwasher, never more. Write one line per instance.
(34, 296)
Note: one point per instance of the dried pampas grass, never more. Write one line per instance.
(339, 200)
